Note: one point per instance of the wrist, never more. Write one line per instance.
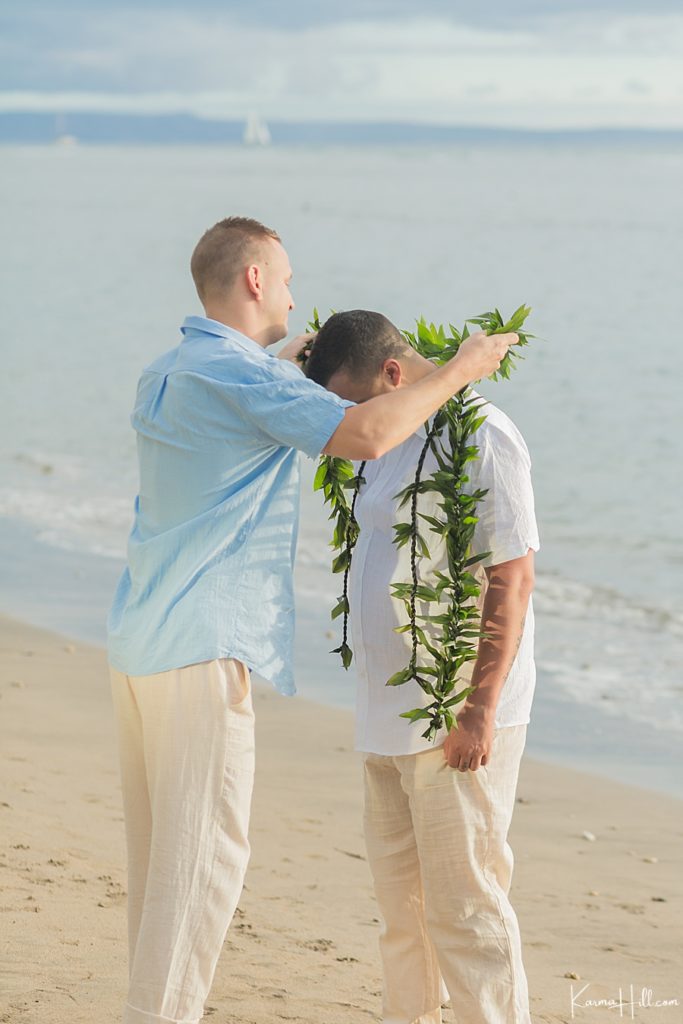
(484, 707)
(459, 371)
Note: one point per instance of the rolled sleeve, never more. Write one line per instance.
(294, 412)
(305, 416)
(507, 526)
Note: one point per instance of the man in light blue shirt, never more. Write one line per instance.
(219, 421)
(207, 593)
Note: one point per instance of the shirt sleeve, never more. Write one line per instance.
(288, 409)
(507, 521)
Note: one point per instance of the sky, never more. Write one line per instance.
(512, 63)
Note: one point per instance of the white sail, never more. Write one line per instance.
(62, 137)
(256, 131)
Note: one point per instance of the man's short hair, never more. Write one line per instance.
(224, 251)
(357, 341)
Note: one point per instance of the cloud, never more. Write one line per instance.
(552, 68)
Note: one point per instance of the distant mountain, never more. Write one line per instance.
(185, 129)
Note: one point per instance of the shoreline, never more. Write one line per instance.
(303, 942)
(69, 592)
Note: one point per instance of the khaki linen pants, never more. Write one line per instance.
(186, 743)
(438, 852)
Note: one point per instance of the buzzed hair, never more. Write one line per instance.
(224, 251)
(357, 341)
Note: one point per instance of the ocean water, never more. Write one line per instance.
(95, 282)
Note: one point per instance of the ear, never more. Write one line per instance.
(254, 279)
(392, 372)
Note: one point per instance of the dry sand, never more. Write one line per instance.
(302, 946)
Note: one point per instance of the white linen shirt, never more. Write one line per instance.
(506, 528)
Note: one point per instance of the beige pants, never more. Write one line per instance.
(186, 741)
(438, 852)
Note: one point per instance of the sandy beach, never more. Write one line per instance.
(597, 883)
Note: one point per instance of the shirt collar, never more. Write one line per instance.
(203, 325)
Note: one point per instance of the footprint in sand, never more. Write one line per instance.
(318, 945)
(632, 908)
(115, 894)
(275, 993)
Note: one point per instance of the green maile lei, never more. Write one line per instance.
(436, 658)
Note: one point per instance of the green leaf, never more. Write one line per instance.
(340, 608)
(459, 697)
(473, 559)
(320, 476)
(346, 654)
(399, 678)
(518, 318)
(345, 470)
(416, 714)
(402, 534)
(421, 546)
(342, 561)
(437, 525)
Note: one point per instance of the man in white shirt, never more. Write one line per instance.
(437, 814)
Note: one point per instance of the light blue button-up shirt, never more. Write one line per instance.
(211, 552)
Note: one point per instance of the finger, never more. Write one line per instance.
(464, 764)
(453, 758)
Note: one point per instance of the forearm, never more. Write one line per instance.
(503, 619)
(371, 429)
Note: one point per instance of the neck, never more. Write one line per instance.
(240, 319)
(414, 367)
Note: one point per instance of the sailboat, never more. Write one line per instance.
(256, 131)
(62, 137)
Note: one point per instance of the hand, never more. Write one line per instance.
(469, 745)
(481, 354)
(291, 350)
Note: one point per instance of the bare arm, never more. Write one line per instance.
(371, 429)
(505, 606)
